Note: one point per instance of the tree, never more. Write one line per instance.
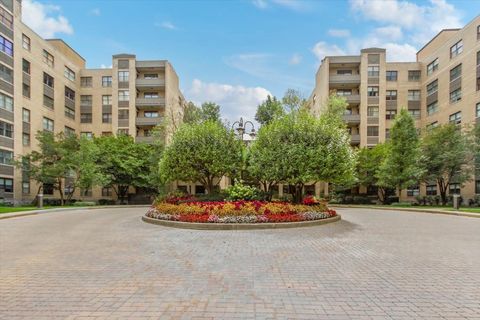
(402, 165)
(124, 163)
(269, 110)
(202, 152)
(299, 148)
(210, 111)
(192, 113)
(448, 157)
(294, 101)
(368, 168)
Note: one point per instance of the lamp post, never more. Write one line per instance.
(240, 128)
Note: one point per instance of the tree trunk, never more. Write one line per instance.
(443, 190)
(298, 193)
(382, 195)
(60, 190)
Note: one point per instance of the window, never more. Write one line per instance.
(414, 113)
(26, 187)
(106, 133)
(413, 191)
(6, 184)
(123, 95)
(6, 102)
(122, 114)
(85, 117)
(25, 90)
(432, 125)
(123, 76)
(6, 74)
(69, 93)
(6, 18)
(432, 108)
(26, 115)
(477, 110)
(150, 114)
(25, 42)
(6, 129)
(6, 46)
(431, 67)
(106, 100)
(86, 192)
(69, 131)
(387, 133)
(456, 95)
(390, 114)
(85, 82)
(106, 117)
(26, 66)
(372, 111)
(86, 134)
(48, 102)
(432, 87)
(373, 71)
(151, 76)
(455, 118)
(342, 71)
(414, 75)
(47, 188)
(344, 92)
(413, 95)
(69, 74)
(456, 72)
(456, 49)
(372, 91)
(454, 188)
(391, 95)
(392, 75)
(86, 100)
(106, 81)
(48, 58)
(25, 139)
(122, 132)
(432, 190)
(372, 131)
(47, 124)
(69, 112)
(107, 192)
(48, 80)
(6, 157)
(150, 95)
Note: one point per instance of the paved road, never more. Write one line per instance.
(107, 263)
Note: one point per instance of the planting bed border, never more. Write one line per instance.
(239, 226)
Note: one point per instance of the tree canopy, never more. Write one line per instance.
(269, 110)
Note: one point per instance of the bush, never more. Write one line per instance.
(219, 196)
(401, 204)
(84, 203)
(361, 199)
(106, 202)
(240, 191)
(392, 199)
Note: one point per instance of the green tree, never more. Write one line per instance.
(402, 165)
(448, 157)
(293, 100)
(210, 111)
(192, 113)
(269, 110)
(369, 160)
(202, 152)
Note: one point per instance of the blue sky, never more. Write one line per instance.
(237, 52)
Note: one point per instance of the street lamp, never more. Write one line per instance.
(240, 127)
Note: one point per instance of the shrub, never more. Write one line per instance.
(218, 196)
(240, 191)
(401, 204)
(106, 202)
(84, 203)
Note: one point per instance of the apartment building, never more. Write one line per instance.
(441, 86)
(45, 85)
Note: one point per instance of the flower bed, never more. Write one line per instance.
(239, 211)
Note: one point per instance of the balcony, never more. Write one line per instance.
(353, 99)
(144, 139)
(143, 103)
(355, 139)
(345, 60)
(152, 64)
(343, 80)
(155, 83)
(351, 118)
(147, 121)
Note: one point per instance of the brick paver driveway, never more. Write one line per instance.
(109, 264)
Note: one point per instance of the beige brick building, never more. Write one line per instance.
(45, 85)
(442, 86)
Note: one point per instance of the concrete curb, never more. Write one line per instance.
(36, 212)
(239, 226)
(421, 210)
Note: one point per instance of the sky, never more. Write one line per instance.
(236, 52)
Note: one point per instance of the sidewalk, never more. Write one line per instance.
(412, 209)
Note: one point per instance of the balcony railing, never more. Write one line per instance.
(345, 79)
(147, 121)
(355, 139)
(152, 102)
(150, 83)
(144, 139)
(351, 118)
(353, 98)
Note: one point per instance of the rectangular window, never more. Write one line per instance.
(432, 87)
(6, 18)
(106, 133)
(432, 125)
(26, 66)
(432, 108)
(26, 115)
(123, 95)
(155, 75)
(6, 74)
(26, 187)
(391, 95)
(373, 71)
(122, 132)
(372, 131)
(372, 91)
(413, 191)
(86, 192)
(413, 95)
(6, 129)
(106, 118)
(414, 113)
(6, 46)
(344, 92)
(456, 49)
(107, 100)
(48, 80)
(432, 190)
(6, 184)
(372, 111)
(456, 72)
(6, 157)
(456, 95)
(455, 118)
(6, 102)
(150, 95)
(454, 188)
(390, 114)
(47, 124)
(25, 42)
(69, 93)
(414, 75)
(86, 134)
(69, 131)
(25, 90)
(69, 74)
(122, 114)
(431, 67)
(123, 76)
(48, 58)
(85, 117)
(153, 114)
(25, 139)
(477, 110)
(392, 75)
(86, 100)
(107, 192)
(48, 102)
(106, 81)
(69, 112)
(86, 82)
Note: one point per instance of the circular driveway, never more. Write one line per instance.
(107, 263)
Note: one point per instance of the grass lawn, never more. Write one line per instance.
(17, 209)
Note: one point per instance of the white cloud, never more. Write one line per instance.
(235, 100)
(339, 33)
(96, 12)
(45, 19)
(389, 32)
(104, 66)
(323, 49)
(295, 59)
(166, 25)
